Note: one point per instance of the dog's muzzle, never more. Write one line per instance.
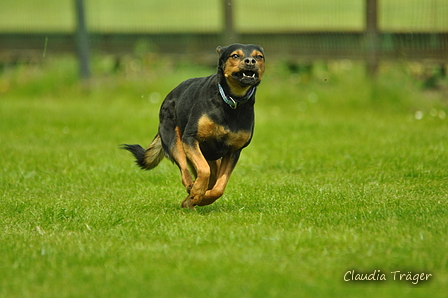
(246, 77)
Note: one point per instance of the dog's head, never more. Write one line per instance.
(242, 66)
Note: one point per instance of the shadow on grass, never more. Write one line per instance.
(223, 207)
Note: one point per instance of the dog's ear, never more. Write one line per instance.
(221, 51)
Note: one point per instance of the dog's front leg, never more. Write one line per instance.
(226, 167)
(197, 191)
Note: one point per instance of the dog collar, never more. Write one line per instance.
(232, 102)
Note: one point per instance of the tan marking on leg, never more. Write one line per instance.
(203, 174)
(214, 170)
(227, 165)
(181, 159)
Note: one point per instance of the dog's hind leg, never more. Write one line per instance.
(180, 158)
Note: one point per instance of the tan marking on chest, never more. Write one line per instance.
(208, 129)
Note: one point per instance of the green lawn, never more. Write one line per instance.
(206, 16)
(342, 175)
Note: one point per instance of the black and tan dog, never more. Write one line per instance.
(206, 122)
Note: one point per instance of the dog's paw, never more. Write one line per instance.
(188, 202)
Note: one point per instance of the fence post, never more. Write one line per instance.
(82, 41)
(229, 34)
(372, 37)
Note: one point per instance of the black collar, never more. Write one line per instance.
(233, 103)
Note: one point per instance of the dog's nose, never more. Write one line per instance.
(249, 61)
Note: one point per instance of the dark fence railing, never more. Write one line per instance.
(370, 45)
(295, 46)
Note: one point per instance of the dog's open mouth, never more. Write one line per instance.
(249, 74)
(246, 77)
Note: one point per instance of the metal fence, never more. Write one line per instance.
(372, 30)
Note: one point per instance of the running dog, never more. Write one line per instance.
(206, 122)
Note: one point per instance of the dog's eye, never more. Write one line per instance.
(235, 56)
(259, 57)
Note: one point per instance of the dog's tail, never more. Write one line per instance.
(149, 158)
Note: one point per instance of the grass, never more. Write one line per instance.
(206, 16)
(343, 174)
